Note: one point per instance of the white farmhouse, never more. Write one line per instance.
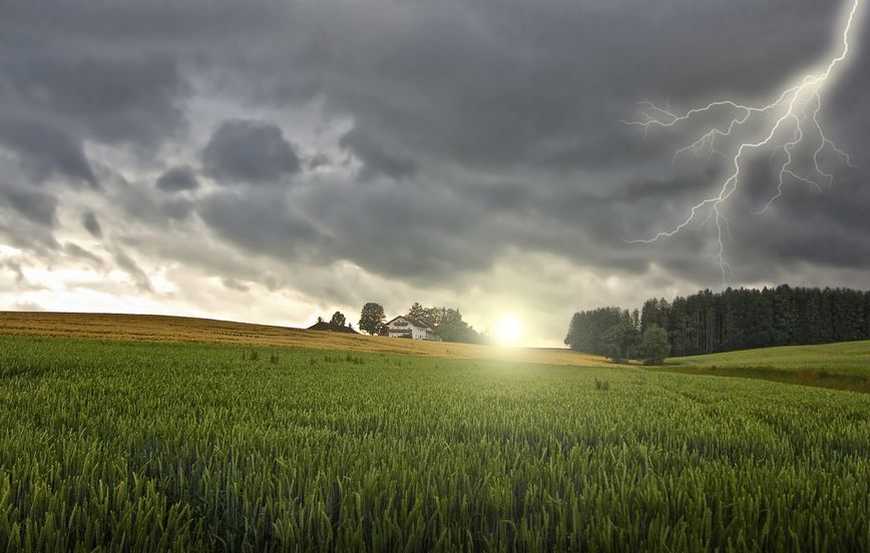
(406, 327)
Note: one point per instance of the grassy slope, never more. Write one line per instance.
(843, 366)
(195, 447)
(157, 328)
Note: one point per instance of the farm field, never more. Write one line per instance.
(133, 446)
(158, 328)
(843, 365)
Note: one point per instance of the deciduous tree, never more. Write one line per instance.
(372, 318)
(338, 319)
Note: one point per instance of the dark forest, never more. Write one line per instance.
(735, 319)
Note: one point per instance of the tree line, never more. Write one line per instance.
(618, 334)
(735, 319)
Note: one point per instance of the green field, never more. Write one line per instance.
(849, 358)
(113, 446)
(844, 366)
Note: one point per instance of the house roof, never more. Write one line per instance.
(415, 322)
(323, 325)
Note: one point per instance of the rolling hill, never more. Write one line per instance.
(843, 366)
(159, 328)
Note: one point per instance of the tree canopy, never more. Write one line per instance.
(447, 322)
(338, 319)
(371, 319)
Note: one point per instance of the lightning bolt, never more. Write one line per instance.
(795, 112)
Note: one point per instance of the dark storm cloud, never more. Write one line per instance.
(480, 127)
(260, 222)
(92, 225)
(526, 104)
(132, 98)
(139, 202)
(46, 150)
(249, 151)
(413, 230)
(377, 158)
(178, 179)
(828, 228)
(69, 76)
(519, 85)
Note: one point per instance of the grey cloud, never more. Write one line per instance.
(128, 265)
(15, 268)
(178, 179)
(91, 224)
(318, 160)
(464, 82)
(377, 158)
(74, 250)
(37, 207)
(541, 93)
(133, 97)
(387, 227)
(260, 222)
(46, 150)
(37, 239)
(177, 209)
(142, 203)
(249, 151)
(233, 284)
(807, 226)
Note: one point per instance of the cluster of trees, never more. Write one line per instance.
(338, 319)
(447, 322)
(338, 323)
(617, 334)
(736, 319)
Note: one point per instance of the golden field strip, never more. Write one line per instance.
(160, 328)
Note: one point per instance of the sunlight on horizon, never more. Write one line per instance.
(508, 331)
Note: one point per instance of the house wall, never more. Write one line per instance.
(400, 327)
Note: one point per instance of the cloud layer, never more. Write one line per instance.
(320, 155)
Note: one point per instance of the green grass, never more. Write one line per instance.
(171, 447)
(842, 366)
(849, 358)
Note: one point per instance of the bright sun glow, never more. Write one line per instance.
(508, 331)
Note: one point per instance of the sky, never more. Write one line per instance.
(274, 161)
